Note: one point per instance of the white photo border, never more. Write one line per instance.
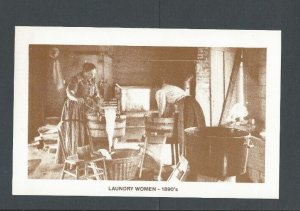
(26, 35)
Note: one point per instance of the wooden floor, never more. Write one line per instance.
(41, 165)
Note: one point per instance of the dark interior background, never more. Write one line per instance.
(129, 66)
(142, 66)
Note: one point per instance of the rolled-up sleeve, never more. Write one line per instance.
(161, 101)
(72, 86)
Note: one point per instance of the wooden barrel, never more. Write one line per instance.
(98, 128)
(155, 124)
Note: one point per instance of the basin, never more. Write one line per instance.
(97, 125)
(154, 123)
(217, 151)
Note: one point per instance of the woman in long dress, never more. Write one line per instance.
(171, 98)
(82, 93)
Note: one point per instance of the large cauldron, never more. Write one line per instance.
(216, 151)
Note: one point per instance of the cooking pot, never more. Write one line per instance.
(217, 151)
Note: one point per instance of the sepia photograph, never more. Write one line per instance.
(146, 112)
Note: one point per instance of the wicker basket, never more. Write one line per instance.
(124, 164)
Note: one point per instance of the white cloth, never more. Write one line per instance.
(57, 75)
(110, 117)
(168, 94)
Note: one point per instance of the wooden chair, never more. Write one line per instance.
(181, 170)
(153, 141)
(78, 165)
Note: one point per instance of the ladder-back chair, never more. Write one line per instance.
(79, 160)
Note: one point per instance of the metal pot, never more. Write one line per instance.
(217, 151)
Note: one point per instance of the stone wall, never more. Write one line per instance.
(255, 67)
(203, 81)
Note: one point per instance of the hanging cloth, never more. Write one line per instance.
(57, 75)
(56, 69)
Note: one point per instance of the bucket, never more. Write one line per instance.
(97, 128)
(159, 125)
(217, 151)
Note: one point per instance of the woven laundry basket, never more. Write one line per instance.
(123, 165)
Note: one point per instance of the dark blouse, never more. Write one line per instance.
(82, 88)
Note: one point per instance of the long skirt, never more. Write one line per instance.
(72, 130)
(190, 114)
